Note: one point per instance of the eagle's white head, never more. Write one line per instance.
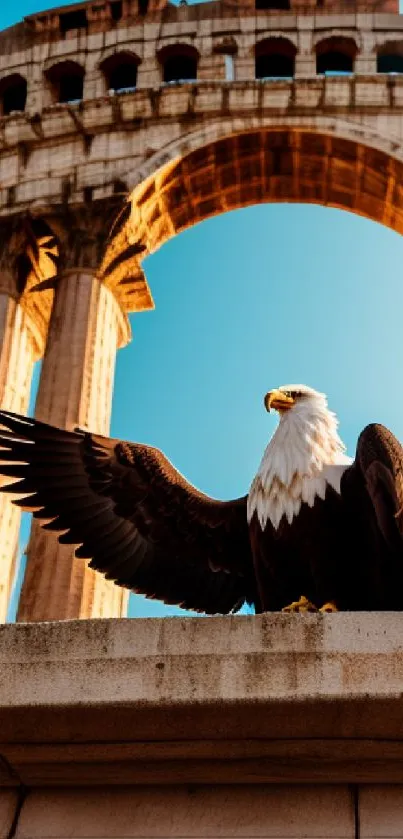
(303, 456)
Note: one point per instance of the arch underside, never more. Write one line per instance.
(287, 165)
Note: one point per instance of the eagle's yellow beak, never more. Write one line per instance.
(278, 400)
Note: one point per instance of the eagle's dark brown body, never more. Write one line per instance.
(141, 524)
(347, 548)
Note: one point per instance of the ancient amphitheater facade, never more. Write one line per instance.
(125, 121)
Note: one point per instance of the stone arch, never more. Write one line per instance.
(389, 57)
(218, 129)
(120, 71)
(275, 58)
(326, 35)
(335, 55)
(13, 94)
(66, 81)
(179, 62)
(332, 164)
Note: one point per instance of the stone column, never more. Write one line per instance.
(305, 66)
(305, 59)
(365, 64)
(18, 351)
(23, 326)
(86, 328)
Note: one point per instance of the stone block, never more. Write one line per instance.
(381, 812)
(211, 68)
(387, 21)
(9, 167)
(136, 106)
(175, 99)
(176, 31)
(308, 93)
(96, 40)
(365, 65)
(276, 95)
(168, 812)
(111, 38)
(209, 97)
(305, 66)
(244, 67)
(330, 20)
(397, 91)
(57, 121)
(338, 92)
(98, 112)
(371, 92)
(243, 97)
(151, 30)
(8, 803)
(17, 129)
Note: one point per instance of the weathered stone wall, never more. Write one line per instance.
(274, 726)
(92, 144)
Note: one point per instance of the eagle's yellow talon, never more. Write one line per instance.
(301, 605)
(329, 607)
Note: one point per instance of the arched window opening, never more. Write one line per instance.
(13, 94)
(67, 81)
(335, 56)
(389, 58)
(275, 59)
(274, 5)
(120, 71)
(179, 63)
(77, 19)
(116, 8)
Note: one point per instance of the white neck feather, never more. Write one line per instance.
(304, 455)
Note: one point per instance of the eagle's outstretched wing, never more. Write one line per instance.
(378, 468)
(133, 515)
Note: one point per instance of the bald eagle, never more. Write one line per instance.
(317, 531)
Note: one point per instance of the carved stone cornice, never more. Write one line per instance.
(36, 251)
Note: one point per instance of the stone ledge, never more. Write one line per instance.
(245, 699)
(379, 93)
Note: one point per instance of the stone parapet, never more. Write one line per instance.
(247, 700)
(275, 726)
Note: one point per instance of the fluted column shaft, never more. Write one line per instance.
(86, 328)
(18, 352)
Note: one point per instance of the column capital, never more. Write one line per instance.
(28, 255)
(82, 232)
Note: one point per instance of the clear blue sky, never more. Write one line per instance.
(245, 302)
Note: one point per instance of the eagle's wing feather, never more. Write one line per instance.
(132, 514)
(379, 461)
